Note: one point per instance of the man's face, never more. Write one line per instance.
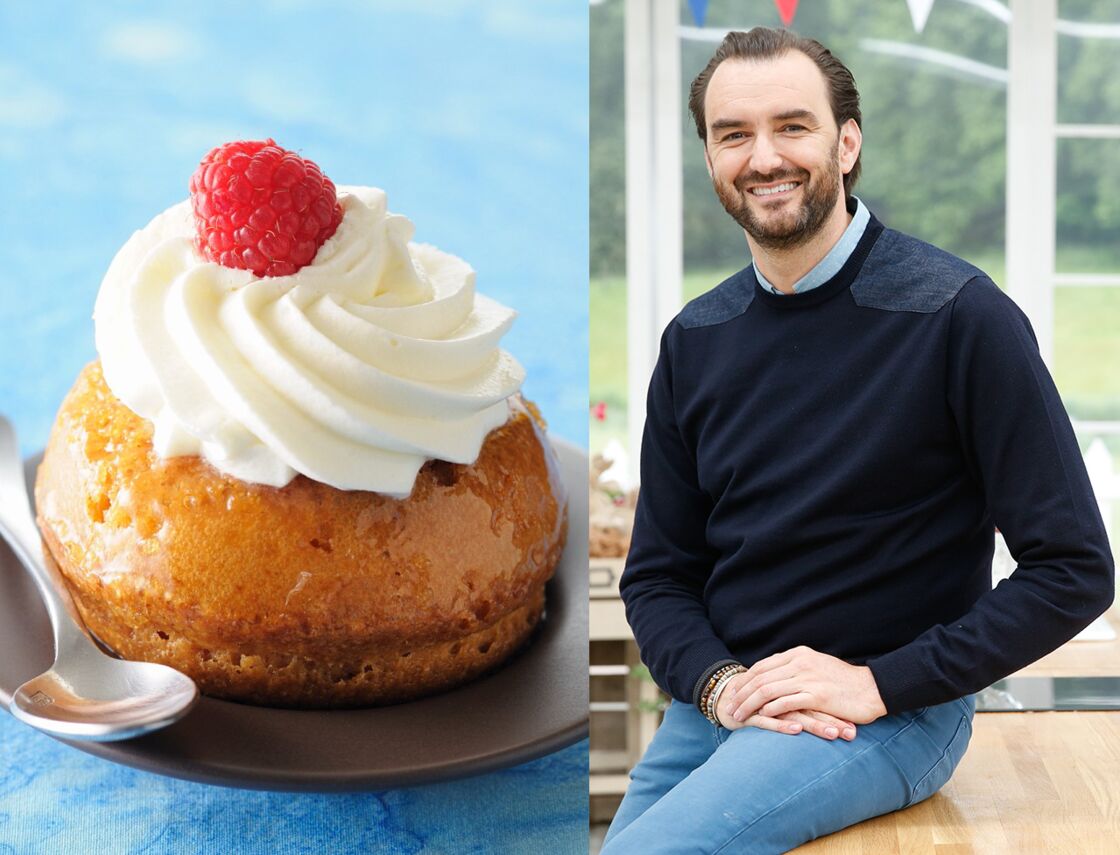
(773, 150)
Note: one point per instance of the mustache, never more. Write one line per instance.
(745, 181)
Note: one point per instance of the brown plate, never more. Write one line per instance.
(533, 705)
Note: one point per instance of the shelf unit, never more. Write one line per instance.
(624, 703)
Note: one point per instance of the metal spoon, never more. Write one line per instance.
(85, 694)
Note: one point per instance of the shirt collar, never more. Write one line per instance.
(830, 265)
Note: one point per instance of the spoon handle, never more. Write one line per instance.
(17, 526)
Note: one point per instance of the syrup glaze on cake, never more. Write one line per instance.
(304, 595)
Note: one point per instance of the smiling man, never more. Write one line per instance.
(832, 435)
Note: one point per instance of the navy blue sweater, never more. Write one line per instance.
(827, 469)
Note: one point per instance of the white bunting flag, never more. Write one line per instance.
(919, 12)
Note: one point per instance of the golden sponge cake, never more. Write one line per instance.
(304, 595)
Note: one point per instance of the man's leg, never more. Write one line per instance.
(683, 742)
(766, 792)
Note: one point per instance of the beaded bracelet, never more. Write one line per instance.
(730, 668)
(712, 711)
(702, 703)
(713, 701)
(726, 671)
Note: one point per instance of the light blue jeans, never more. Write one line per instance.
(704, 789)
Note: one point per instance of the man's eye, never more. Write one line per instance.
(734, 135)
(794, 128)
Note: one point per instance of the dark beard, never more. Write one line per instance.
(820, 198)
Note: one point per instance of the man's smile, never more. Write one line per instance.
(774, 190)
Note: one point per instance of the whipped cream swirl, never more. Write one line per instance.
(353, 371)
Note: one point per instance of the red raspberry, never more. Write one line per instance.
(260, 207)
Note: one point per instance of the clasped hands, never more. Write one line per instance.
(802, 689)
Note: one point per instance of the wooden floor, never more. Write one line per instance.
(1030, 783)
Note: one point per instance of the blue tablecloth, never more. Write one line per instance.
(57, 800)
(473, 116)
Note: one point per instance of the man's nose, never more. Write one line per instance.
(765, 157)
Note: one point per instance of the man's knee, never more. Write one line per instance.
(818, 788)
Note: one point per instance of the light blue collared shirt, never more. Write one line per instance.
(830, 265)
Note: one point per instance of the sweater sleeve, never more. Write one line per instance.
(1018, 443)
(670, 560)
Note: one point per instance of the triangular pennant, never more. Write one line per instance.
(699, 10)
(919, 13)
(787, 9)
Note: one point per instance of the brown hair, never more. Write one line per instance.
(769, 43)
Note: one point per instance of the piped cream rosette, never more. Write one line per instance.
(354, 371)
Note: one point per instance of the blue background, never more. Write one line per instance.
(473, 117)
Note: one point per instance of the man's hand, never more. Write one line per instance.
(811, 721)
(803, 679)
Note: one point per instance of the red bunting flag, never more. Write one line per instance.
(787, 9)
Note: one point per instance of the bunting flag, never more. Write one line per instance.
(788, 8)
(699, 10)
(919, 13)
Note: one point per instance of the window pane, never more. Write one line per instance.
(608, 226)
(1088, 57)
(1088, 85)
(1087, 351)
(1088, 206)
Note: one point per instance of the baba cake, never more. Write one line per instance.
(301, 470)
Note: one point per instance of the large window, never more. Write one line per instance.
(1087, 237)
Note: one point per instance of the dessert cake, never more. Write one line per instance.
(301, 470)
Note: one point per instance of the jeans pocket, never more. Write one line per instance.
(943, 769)
(968, 706)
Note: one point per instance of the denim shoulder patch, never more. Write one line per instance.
(729, 299)
(904, 274)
